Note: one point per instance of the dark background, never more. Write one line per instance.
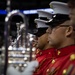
(22, 5)
(27, 4)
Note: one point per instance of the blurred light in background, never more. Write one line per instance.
(28, 11)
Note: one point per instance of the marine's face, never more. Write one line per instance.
(42, 41)
(58, 34)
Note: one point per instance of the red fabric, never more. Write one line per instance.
(44, 57)
(62, 61)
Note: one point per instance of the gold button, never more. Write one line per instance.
(72, 57)
(49, 53)
(53, 61)
(47, 70)
(58, 53)
(40, 53)
(64, 71)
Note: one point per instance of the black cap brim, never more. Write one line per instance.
(58, 19)
(38, 32)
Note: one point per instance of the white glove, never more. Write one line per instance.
(28, 71)
(30, 68)
(12, 71)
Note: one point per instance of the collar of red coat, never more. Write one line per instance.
(43, 52)
(65, 51)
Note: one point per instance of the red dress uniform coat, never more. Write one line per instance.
(44, 58)
(64, 62)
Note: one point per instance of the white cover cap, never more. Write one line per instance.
(41, 23)
(59, 7)
(42, 13)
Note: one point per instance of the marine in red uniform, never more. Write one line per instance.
(45, 53)
(69, 68)
(62, 38)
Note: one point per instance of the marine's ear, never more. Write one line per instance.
(69, 31)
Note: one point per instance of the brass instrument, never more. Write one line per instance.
(11, 49)
(6, 33)
(18, 51)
